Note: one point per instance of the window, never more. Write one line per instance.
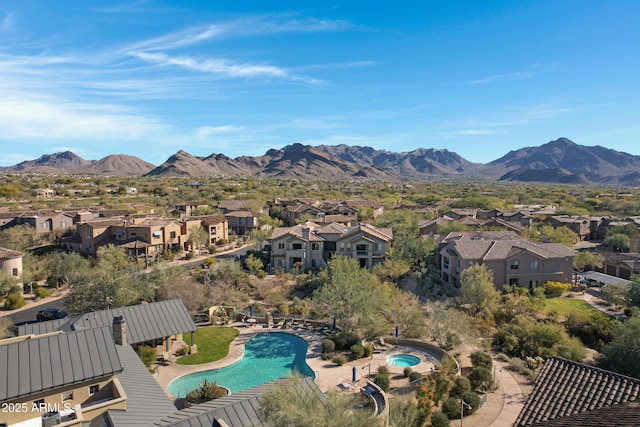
(533, 284)
(445, 262)
(133, 234)
(241, 221)
(296, 246)
(379, 247)
(513, 281)
(315, 246)
(119, 234)
(534, 264)
(172, 234)
(157, 234)
(94, 389)
(15, 272)
(341, 246)
(514, 264)
(361, 249)
(38, 403)
(63, 224)
(313, 263)
(459, 263)
(67, 395)
(213, 231)
(280, 245)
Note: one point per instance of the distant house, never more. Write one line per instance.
(11, 263)
(44, 193)
(311, 246)
(144, 235)
(569, 394)
(190, 208)
(241, 222)
(512, 259)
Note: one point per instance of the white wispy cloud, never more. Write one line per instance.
(205, 131)
(132, 7)
(510, 77)
(473, 132)
(23, 116)
(224, 67)
(250, 26)
(6, 23)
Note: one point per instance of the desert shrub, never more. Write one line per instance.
(480, 378)
(205, 392)
(480, 358)
(14, 301)
(472, 400)
(552, 289)
(414, 375)
(439, 419)
(526, 337)
(461, 386)
(382, 380)
(451, 408)
(358, 351)
(147, 355)
(209, 262)
(261, 274)
(384, 369)
(327, 356)
(406, 371)
(345, 340)
(188, 256)
(328, 346)
(182, 351)
(42, 293)
(594, 331)
(502, 357)
(368, 350)
(451, 340)
(339, 360)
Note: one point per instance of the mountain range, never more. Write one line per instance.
(559, 161)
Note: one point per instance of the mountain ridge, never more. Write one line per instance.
(561, 161)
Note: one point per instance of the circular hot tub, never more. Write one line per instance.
(403, 360)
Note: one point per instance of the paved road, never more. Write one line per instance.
(29, 314)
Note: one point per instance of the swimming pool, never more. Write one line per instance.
(403, 360)
(267, 357)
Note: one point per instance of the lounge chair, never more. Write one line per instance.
(165, 357)
(384, 344)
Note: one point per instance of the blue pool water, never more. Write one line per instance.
(267, 357)
(403, 360)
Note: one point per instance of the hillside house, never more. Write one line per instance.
(311, 246)
(512, 259)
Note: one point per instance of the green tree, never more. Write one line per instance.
(66, 269)
(480, 358)
(633, 293)
(198, 237)
(5, 332)
(623, 352)
(351, 295)
(19, 237)
(391, 270)
(253, 264)
(8, 284)
(584, 259)
(481, 378)
(477, 290)
(617, 242)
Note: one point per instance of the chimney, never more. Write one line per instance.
(120, 330)
(305, 233)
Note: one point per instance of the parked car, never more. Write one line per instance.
(50, 314)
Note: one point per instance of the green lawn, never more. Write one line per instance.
(213, 344)
(564, 306)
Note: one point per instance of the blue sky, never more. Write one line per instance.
(148, 78)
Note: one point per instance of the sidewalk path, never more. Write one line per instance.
(514, 399)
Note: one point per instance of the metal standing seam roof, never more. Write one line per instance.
(43, 363)
(240, 409)
(145, 322)
(145, 399)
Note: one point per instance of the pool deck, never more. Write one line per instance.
(329, 376)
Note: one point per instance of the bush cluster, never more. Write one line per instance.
(14, 301)
(42, 292)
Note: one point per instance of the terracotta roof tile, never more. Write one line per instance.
(565, 389)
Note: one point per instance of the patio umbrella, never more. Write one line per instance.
(333, 328)
(396, 331)
(353, 374)
(250, 311)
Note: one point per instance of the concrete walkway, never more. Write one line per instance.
(514, 399)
